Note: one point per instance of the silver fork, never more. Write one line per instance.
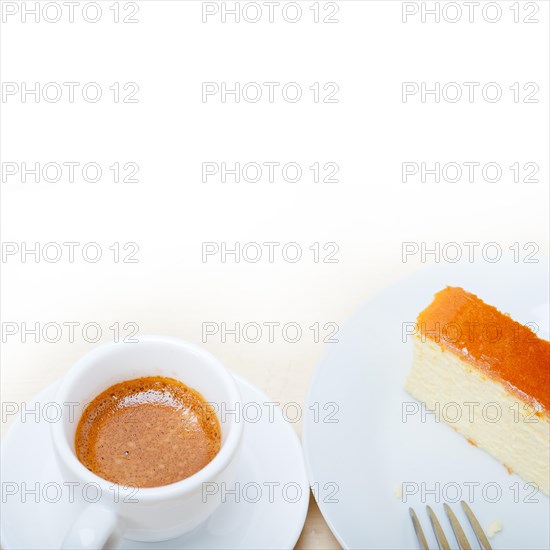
(457, 529)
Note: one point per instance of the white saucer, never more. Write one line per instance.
(271, 453)
(362, 450)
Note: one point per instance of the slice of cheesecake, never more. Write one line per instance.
(488, 377)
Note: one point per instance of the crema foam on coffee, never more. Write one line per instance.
(147, 432)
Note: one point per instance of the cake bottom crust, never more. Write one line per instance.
(482, 410)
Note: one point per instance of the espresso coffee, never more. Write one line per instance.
(147, 432)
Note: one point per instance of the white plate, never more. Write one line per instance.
(369, 451)
(271, 454)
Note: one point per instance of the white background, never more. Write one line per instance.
(171, 212)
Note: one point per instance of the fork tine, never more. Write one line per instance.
(438, 530)
(457, 529)
(418, 530)
(481, 537)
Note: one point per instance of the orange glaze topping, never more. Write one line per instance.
(502, 348)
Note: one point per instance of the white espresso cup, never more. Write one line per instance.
(156, 513)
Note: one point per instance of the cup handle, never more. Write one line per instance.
(92, 529)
